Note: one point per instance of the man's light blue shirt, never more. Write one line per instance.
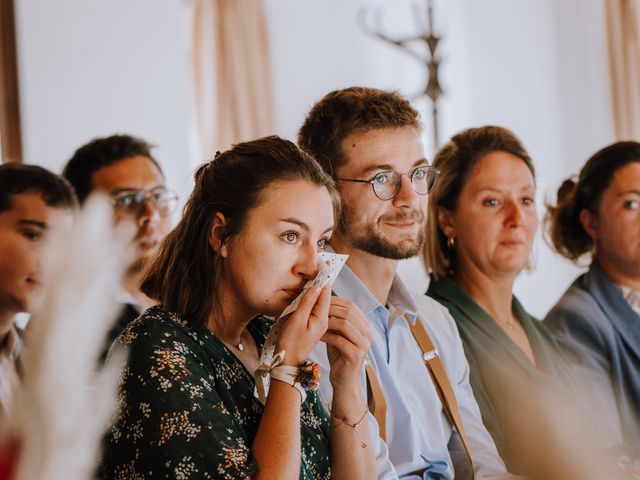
(418, 431)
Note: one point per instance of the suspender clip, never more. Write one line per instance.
(426, 356)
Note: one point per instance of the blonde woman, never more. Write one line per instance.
(482, 223)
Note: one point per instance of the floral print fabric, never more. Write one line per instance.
(186, 407)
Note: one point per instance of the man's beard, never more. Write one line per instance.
(369, 238)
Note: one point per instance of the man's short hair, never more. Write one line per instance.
(99, 153)
(17, 178)
(342, 113)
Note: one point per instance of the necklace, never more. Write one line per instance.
(238, 346)
(509, 323)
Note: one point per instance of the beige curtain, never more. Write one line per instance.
(232, 73)
(623, 32)
(10, 133)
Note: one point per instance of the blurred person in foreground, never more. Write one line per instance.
(597, 219)
(248, 242)
(33, 201)
(369, 141)
(123, 167)
(483, 220)
(62, 395)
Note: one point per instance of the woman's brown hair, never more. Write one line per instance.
(185, 275)
(564, 228)
(454, 161)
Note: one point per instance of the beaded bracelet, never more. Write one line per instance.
(354, 425)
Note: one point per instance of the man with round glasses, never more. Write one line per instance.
(122, 167)
(369, 141)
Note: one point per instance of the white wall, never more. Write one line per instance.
(537, 67)
(94, 67)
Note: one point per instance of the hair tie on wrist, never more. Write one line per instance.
(263, 373)
(304, 377)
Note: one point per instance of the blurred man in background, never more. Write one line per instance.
(122, 167)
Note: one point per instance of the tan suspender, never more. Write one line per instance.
(377, 403)
(441, 381)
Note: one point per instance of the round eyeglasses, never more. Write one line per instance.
(386, 185)
(130, 202)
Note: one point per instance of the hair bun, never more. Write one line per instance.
(202, 168)
(567, 190)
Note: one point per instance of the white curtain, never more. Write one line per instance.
(623, 35)
(232, 73)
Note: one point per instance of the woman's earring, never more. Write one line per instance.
(451, 242)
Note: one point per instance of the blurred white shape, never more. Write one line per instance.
(21, 320)
(60, 412)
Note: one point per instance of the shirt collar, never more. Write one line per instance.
(400, 299)
(632, 297)
(11, 345)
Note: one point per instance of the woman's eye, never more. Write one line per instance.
(528, 201)
(290, 237)
(491, 202)
(322, 243)
(632, 205)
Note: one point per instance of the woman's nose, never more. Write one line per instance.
(514, 214)
(307, 264)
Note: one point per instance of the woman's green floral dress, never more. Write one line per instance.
(186, 407)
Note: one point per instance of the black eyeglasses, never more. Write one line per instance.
(386, 185)
(131, 202)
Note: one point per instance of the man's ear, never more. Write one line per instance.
(589, 222)
(216, 235)
(445, 222)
